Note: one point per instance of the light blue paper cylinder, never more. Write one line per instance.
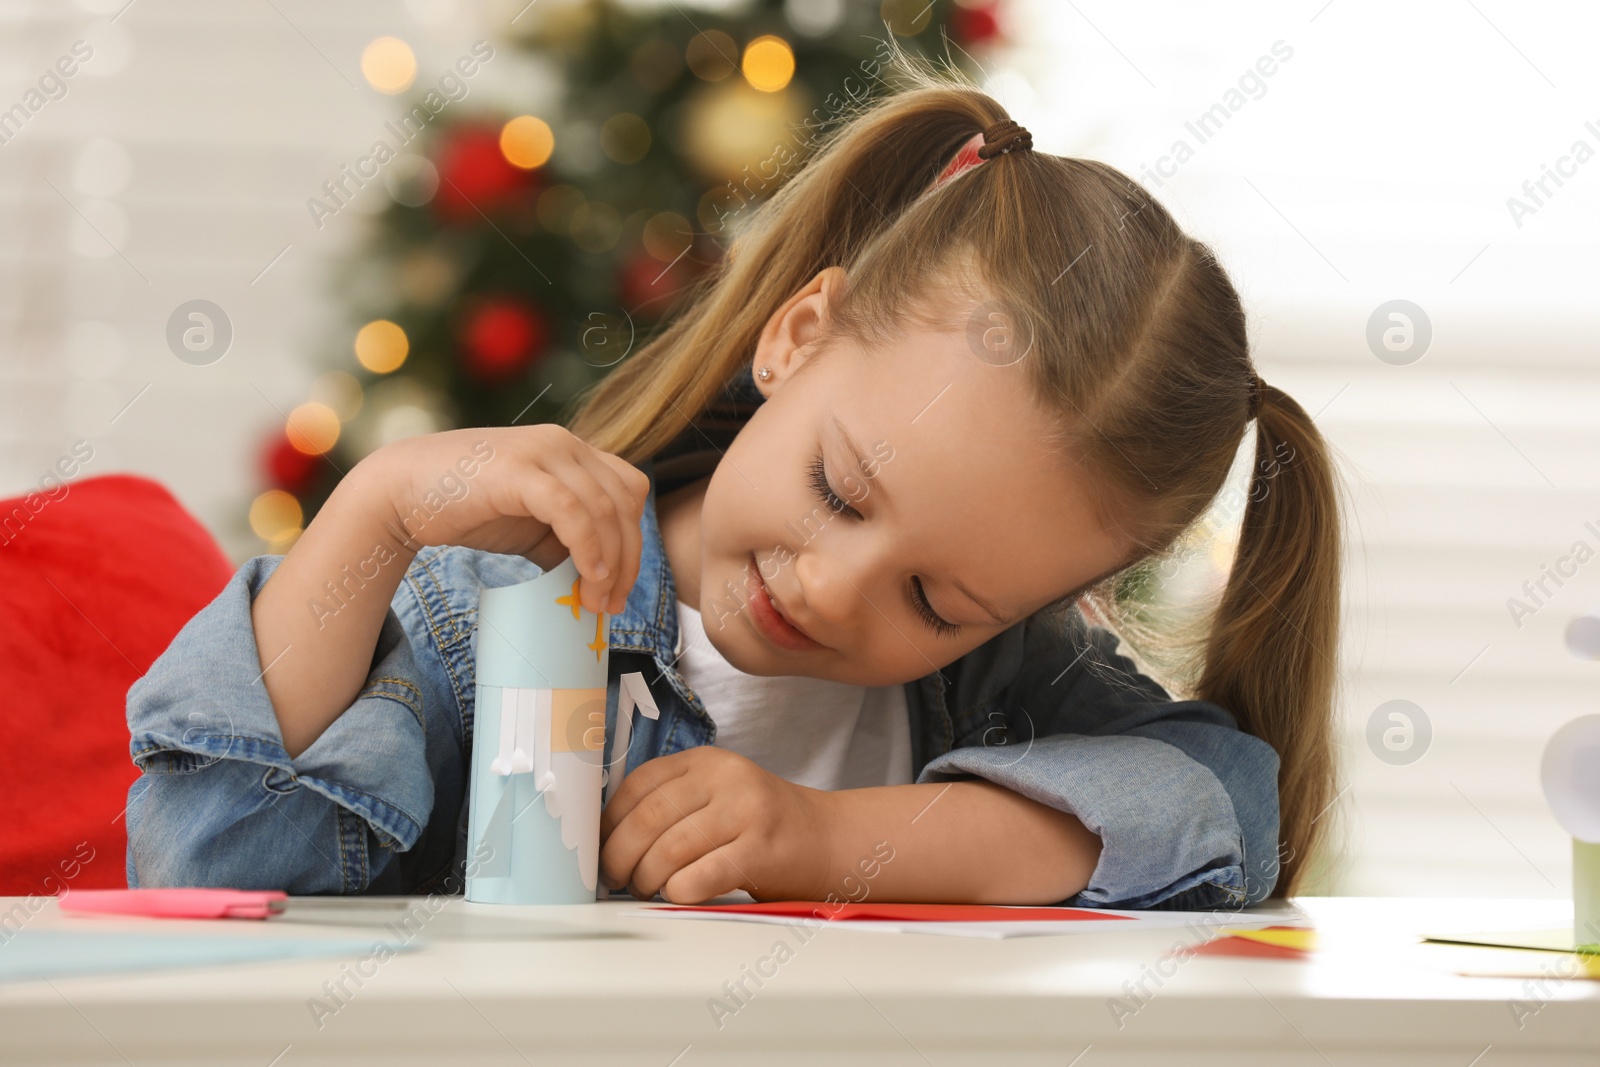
(535, 636)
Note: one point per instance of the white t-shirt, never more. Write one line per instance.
(810, 731)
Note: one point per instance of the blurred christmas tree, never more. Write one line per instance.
(528, 254)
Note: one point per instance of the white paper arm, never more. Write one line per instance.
(632, 693)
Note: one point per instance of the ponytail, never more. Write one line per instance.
(1272, 653)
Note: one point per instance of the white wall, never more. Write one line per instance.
(177, 166)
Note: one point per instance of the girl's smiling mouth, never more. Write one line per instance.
(769, 618)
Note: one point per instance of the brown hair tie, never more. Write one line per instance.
(1004, 136)
(1256, 385)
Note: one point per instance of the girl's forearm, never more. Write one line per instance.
(317, 617)
(968, 842)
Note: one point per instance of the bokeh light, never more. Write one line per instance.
(313, 428)
(732, 126)
(712, 55)
(625, 138)
(596, 226)
(411, 180)
(275, 515)
(666, 235)
(557, 205)
(428, 276)
(768, 63)
(389, 65)
(381, 346)
(814, 18)
(406, 420)
(906, 18)
(338, 391)
(656, 64)
(527, 142)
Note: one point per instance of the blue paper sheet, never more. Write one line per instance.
(30, 955)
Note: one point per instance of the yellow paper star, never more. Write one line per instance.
(572, 601)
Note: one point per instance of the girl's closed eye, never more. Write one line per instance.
(819, 482)
(919, 599)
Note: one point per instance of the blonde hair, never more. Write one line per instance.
(1138, 348)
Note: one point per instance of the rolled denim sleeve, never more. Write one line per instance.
(1185, 803)
(374, 805)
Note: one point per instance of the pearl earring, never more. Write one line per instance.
(764, 373)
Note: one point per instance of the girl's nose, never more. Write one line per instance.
(842, 580)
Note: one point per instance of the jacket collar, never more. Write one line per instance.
(649, 620)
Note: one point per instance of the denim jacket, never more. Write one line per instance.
(1185, 803)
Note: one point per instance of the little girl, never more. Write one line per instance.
(843, 511)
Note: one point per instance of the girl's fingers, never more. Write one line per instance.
(638, 833)
(705, 833)
(630, 507)
(553, 500)
(712, 875)
(607, 521)
(640, 784)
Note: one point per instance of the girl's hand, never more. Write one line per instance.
(705, 821)
(534, 491)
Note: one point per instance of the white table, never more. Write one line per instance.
(844, 997)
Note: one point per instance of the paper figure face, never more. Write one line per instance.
(537, 722)
(578, 720)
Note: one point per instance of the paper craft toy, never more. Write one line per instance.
(533, 825)
(1570, 774)
(1583, 635)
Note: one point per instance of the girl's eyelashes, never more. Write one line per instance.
(919, 600)
(819, 483)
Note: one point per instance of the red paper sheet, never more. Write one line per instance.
(948, 913)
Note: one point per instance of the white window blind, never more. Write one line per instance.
(1375, 165)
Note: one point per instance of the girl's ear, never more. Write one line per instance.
(785, 341)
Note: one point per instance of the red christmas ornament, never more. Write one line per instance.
(976, 25)
(474, 175)
(500, 338)
(286, 467)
